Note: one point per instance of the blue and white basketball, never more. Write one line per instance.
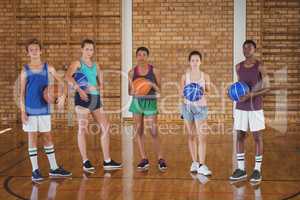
(193, 92)
(81, 80)
(237, 90)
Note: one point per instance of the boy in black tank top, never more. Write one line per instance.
(145, 106)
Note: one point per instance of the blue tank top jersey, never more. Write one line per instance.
(36, 82)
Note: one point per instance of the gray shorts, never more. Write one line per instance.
(192, 112)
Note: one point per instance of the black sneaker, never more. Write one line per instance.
(238, 174)
(88, 167)
(143, 165)
(256, 176)
(59, 172)
(112, 165)
(162, 164)
(36, 175)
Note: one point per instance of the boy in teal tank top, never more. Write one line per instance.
(145, 107)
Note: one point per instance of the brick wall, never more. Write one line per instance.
(171, 29)
(60, 25)
(7, 60)
(275, 26)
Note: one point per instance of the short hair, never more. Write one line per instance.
(195, 53)
(33, 41)
(87, 41)
(145, 49)
(250, 42)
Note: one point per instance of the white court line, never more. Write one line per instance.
(5, 130)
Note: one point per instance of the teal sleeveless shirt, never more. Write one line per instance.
(91, 74)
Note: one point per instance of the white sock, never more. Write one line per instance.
(33, 158)
(107, 161)
(258, 161)
(51, 156)
(241, 160)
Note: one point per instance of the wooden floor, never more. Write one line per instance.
(281, 168)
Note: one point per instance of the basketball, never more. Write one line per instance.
(52, 92)
(193, 92)
(81, 80)
(141, 86)
(237, 90)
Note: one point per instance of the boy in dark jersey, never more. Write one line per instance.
(145, 107)
(249, 111)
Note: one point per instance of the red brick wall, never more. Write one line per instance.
(60, 25)
(275, 26)
(7, 62)
(171, 30)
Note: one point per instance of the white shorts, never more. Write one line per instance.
(40, 123)
(254, 120)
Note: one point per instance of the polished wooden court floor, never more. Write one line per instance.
(281, 168)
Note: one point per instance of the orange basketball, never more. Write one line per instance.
(141, 86)
(52, 92)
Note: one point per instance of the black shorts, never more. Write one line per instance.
(92, 104)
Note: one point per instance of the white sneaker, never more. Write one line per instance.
(194, 167)
(204, 170)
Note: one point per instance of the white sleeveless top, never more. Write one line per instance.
(201, 81)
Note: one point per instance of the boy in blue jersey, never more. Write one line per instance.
(35, 112)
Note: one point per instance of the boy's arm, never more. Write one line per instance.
(58, 78)
(130, 77)
(100, 82)
(182, 83)
(158, 80)
(265, 82)
(237, 67)
(24, 117)
(100, 79)
(69, 74)
(207, 84)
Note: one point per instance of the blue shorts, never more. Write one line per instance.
(192, 112)
(92, 104)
